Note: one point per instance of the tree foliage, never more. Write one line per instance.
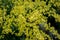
(29, 20)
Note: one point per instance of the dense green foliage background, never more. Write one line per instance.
(29, 19)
